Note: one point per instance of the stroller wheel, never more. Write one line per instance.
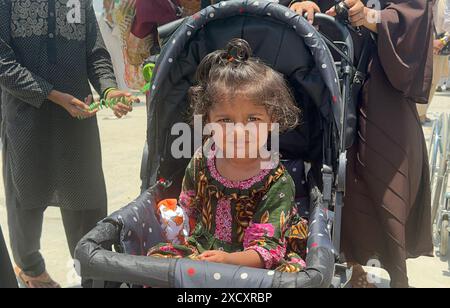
(443, 247)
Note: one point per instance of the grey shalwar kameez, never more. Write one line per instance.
(50, 158)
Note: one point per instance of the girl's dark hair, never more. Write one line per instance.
(225, 74)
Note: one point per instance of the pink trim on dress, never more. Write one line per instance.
(265, 255)
(244, 184)
(278, 253)
(255, 236)
(270, 257)
(223, 220)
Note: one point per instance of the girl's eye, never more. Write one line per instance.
(253, 119)
(225, 120)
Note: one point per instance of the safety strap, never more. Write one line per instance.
(363, 63)
(359, 79)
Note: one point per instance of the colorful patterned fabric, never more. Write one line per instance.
(257, 214)
(134, 50)
(138, 22)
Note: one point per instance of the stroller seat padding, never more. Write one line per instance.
(296, 169)
(140, 229)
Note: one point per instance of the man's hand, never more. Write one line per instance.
(216, 256)
(121, 109)
(308, 7)
(72, 105)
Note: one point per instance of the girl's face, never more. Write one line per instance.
(240, 127)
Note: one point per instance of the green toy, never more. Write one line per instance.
(107, 103)
(110, 103)
(147, 71)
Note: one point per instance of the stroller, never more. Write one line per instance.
(314, 153)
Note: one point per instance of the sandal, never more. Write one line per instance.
(43, 281)
(359, 279)
(424, 120)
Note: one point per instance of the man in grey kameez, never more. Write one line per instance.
(49, 52)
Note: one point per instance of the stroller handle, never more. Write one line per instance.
(166, 31)
(345, 36)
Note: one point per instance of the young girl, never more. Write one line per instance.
(239, 212)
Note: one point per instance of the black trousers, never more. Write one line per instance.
(7, 278)
(25, 227)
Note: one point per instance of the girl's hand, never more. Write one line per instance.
(72, 105)
(121, 109)
(216, 256)
(357, 12)
(308, 7)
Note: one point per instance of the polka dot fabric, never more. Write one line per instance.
(140, 228)
(296, 169)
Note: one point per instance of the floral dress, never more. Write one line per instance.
(258, 213)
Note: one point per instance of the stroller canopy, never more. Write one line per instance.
(278, 36)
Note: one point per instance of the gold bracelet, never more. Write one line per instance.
(105, 95)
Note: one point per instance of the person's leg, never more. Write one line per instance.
(25, 226)
(76, 225)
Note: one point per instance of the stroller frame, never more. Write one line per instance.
(439, 159)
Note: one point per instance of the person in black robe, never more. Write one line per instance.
(387, 211)
(50, 52)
